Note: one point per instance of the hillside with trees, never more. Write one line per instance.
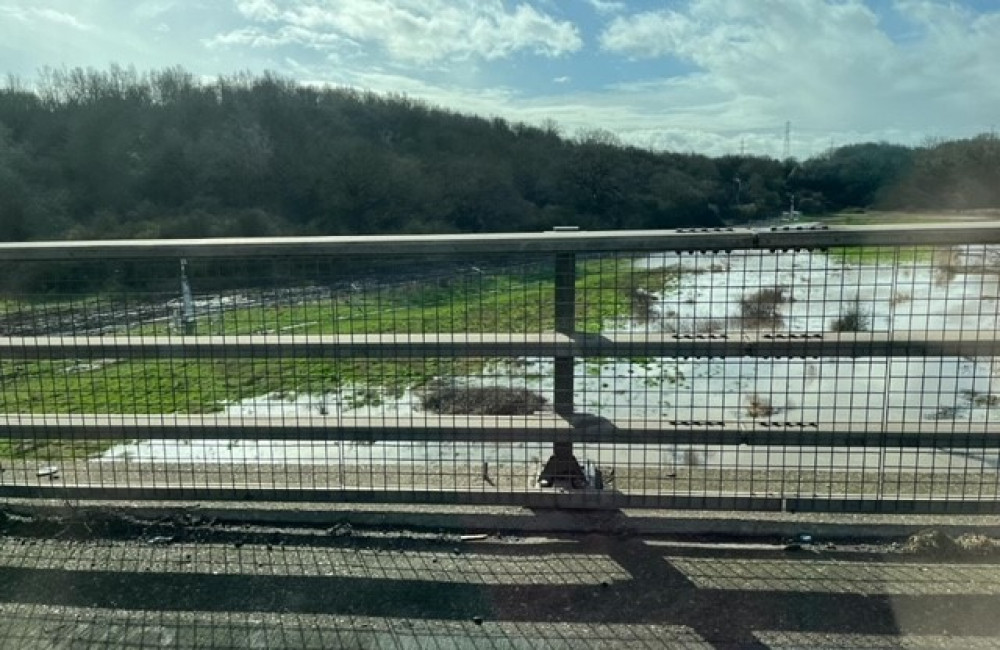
(88, 154)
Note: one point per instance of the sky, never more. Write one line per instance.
(711, 76)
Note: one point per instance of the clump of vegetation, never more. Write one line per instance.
(609, 288)
(986, 400)
(937, 542)
(760, 310)
(929, 542)
(710, 326)
(946, 263)
(642, 305)
(977, 544)
(855, 319)
(486, 400)
(759, 406)
(944, 413)
(900, 297)
(690, 458)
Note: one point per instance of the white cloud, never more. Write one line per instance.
(648, 34)
(44, 14)
(829, 66)
(717, 71)
(286, 35)
(606, 6)
(258, 9)
(410, 31)
(14, 13)
(152, 9)
(62, 18)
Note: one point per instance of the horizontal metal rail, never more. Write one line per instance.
(202, 427)
(890, 235)
(540, 498)
(863, 344)
(386, 245)
(218, 347)
(531, 428)
(580, 242)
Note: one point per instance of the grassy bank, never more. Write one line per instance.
(883, 255)
(519, 300)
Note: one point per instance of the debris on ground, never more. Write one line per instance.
(937, 542)
(51, 471)
(929, 542)
(342, 529)
(976, 543)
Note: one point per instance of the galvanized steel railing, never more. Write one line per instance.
(842, 368)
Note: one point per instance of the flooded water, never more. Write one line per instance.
(866, 393)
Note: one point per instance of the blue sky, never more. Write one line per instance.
(689, 75)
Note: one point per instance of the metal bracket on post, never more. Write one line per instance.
(562, 467)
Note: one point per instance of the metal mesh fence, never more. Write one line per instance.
(852, 377)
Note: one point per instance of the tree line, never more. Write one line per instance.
(94, 154)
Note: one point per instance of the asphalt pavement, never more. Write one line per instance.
(124, 585)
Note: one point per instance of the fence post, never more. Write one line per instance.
(562, 467)
(187, 319)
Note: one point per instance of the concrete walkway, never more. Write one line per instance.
(242, 587)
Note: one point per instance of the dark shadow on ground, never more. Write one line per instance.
(656, 592)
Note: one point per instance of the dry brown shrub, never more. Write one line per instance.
(759, 310)
(759, 406)
(487, 400)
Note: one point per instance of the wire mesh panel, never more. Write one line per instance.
(796, 369)
(858, 375)
(330, 399)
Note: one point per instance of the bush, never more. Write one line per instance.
(642, 305)
(489, 400)
(710, 326)
(760, 309)
(854, 319)
(946, 262)
(760, 407)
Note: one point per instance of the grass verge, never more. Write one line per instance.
(519, 300)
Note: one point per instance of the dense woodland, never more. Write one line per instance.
(118, 154)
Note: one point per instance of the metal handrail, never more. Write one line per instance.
(682, 240)
(562, 427)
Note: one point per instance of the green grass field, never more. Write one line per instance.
(883, 255)
(517, 301)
